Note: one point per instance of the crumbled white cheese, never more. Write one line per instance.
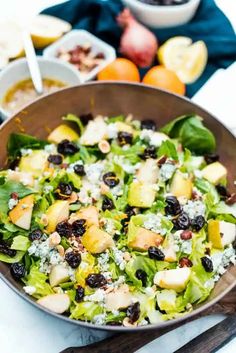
(29, 290)
(26, 151)
(222, 259)
(97, 297)
(47, 189)
(166, 171)
(119, 258)
(94, 171)
(153, 222)
(194, 208)
(153, 137)
(12, 203)
(99, 319)
(109, 226)
(197, 173)
(149, 291)
(51, 148)
(112, 131)
(70, 169)
(184, 246)
(103, 261)
(143, 323)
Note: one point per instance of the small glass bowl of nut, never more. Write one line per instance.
(87, 53)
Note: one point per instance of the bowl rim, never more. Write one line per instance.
(110, 328)
(160, 8)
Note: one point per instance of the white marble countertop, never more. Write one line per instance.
(25, 329)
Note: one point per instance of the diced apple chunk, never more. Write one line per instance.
(120, 126)
(148, 172)
(141, 194)
(145, 238)
(166, 299)
(58, 303)
(56, 213)
(62, 132)
(58, 274)
(96, 240)
(119, 299)
(21, 214)
(21, 177)
(34, 163)
(90, 214)
(181, 186)
(95, 131)
(214, 172)
(176, 279)
(221, 233)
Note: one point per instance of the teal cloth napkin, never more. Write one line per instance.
(209, 24)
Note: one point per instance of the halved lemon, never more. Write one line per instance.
(11, 45)
(46, 29)
(188, 60)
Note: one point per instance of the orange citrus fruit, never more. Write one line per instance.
(161, 77)
(120, 70)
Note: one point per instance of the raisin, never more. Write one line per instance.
(85, 118)
(36, 234)
(130, 211)
(79, 294)
(198, 223)
(64, 190)
(186, 235)
(173, 206)
(231, 200)
(222, 190)
(96, 280)
(55, 159)
(79, 227)
(148, 125)
(133, 312)
(4, 249)
(79, 169)
(64, 229)
(185, 262)
(17, 270)
(67, 148)
(207, 264)
(110, 179)
(155, 253)
(124, 138)
(182, 222)
(14, 196)
(211, 158)
(142, 276)
(73, 259)
(107, 204)
(149, 152)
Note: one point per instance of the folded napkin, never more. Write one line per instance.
(209, 24)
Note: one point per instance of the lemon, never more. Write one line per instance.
(46, 29)
(11, 44)
(188, 60)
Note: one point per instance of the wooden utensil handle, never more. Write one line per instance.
(213, 338)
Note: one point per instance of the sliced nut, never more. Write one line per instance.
(73, 197)
(127, 256)
(44, 220)
(104, 189)
(127, 323)
(54, 239)
(104, 146)
(61, 250)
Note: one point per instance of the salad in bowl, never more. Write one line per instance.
(114, 222)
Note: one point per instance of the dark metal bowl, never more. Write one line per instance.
(112, 99)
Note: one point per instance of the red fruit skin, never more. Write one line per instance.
(137, 42)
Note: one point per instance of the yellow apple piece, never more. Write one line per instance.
(90, 214)
(145, 238)
(21, 214)
(58, 274)
(176, 279)
(181, 186)
(148, 172)
(141, 194)
(166, 299)
(21, 177)
(62, 132)
(96, 240)
(118, 299)
(58, 303)
(95, 131)
(120, 126)
(56, 213)
(45, 29)
(214, 172)
(34, 163)
(221, 233)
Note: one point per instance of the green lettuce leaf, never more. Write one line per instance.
(38, 280)
(75, 119)
(86, 311)
(20, 242)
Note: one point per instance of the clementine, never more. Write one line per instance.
(120, 69)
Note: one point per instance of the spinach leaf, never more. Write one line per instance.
(191, 133)
(168, 149)
(75, 119)
(18, 141)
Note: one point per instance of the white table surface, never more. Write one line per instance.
(25, 329)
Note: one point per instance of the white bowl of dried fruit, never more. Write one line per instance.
(163, 13)
(84, 51)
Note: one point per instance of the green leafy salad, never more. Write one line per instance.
(113, 222)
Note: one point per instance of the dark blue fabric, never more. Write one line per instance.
(209, 24)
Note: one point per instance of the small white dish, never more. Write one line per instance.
(50, 68)
(157, 16)
(80, 37)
